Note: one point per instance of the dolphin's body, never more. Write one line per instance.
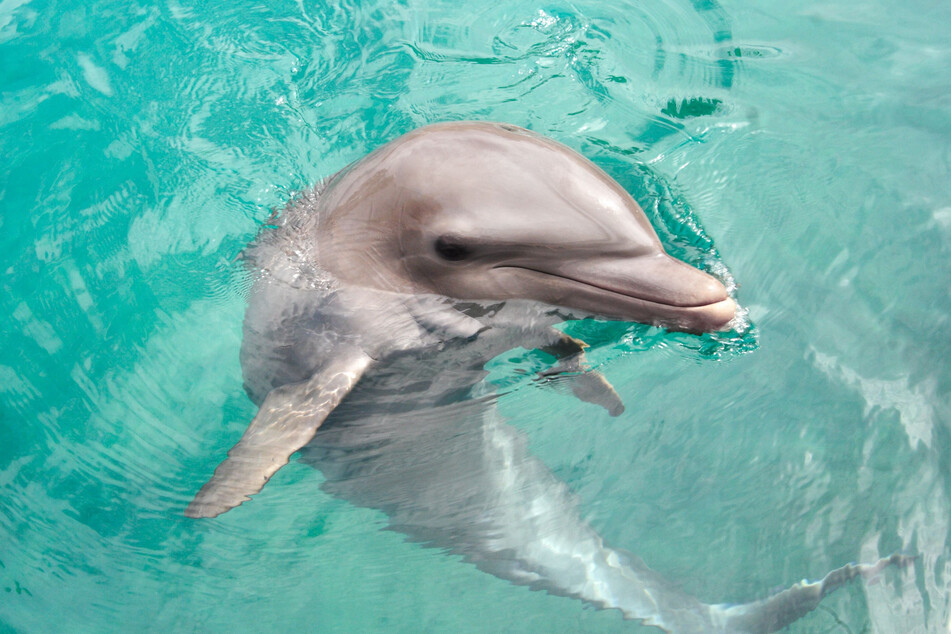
(379, 300)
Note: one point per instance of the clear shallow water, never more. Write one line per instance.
(143, 146)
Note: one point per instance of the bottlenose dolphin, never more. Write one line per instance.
(379, 298)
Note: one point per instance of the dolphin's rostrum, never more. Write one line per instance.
(380, 297)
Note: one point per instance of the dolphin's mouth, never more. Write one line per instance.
(690, 300)
(625, 293)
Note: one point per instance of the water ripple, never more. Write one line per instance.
(144, 145)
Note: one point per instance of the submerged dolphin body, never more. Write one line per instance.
(378, 302)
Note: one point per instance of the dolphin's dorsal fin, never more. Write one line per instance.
(289, 417)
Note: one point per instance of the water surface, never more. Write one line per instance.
(807, 145)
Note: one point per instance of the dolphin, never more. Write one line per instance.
(378, 299)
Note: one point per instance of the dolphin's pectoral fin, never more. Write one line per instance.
(289, 417)
(588, 385)
(593, 387)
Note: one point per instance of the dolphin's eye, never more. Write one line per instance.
(451, 249)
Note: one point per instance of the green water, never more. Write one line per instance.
(143, 145)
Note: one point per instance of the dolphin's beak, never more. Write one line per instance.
(683, 297)
(655, 288)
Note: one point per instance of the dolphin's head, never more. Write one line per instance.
(481, 211)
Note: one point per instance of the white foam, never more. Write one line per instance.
(95, 75)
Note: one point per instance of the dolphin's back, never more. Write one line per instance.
(457, 477)
(452, 474)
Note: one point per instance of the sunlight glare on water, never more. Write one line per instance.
(799, 152)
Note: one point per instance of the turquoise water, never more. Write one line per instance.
(143, 146)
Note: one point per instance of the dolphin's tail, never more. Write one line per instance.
(783, 608)
(556, 551)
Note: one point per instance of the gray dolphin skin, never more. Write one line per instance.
(378, 300)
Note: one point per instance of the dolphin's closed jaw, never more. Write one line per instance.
(713, 317)
(653, 288)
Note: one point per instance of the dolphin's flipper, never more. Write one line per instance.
(288, 418)
(593, 387)
(588, 385)
(781, 609)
